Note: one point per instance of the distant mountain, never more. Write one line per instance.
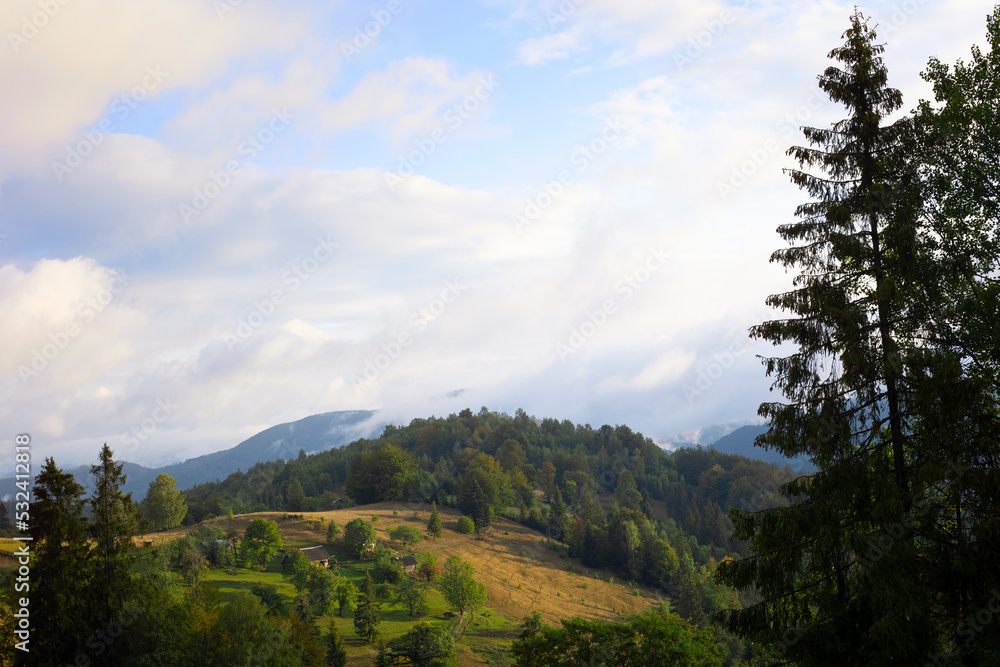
(313, 434)
(741, 441)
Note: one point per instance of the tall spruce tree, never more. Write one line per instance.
(368, 614)
(114, 522)
(434, 528)
(821, 565)
(336, 654)
(296, 496)
(60, 570)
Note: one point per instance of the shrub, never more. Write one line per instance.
(466, 526)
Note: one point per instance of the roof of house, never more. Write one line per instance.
(315, 553)
(409, 561)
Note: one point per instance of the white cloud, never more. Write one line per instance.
(540, 50)
(87, 54)
(409, 96)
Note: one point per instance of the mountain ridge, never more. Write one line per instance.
(314, 433)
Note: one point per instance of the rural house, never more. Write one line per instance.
(317, 556)
(409, 564)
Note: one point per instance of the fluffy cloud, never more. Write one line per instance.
(290, 286)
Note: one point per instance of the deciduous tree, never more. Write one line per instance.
(164, 505)
(261, 541)
(359, 537)
(459, 586)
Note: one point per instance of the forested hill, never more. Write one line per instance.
(578, 484)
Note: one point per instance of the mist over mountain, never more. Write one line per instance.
(313, 434)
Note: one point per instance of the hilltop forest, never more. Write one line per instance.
(591, 490)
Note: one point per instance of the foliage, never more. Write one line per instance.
(434, 528)
(359, 537)
(269, 596)
(386, 567)
(428, 568)
(296, 568)
(60, 571)
(164, 505)
(458, 585)
(656, 640)
(484, 489)
(115, 522)
(332, 532)
(411, 594)
(386, 474)
(406, 534)
(423, 646)
(465, 525)
(262, 540)
(336, 654)
(191, 566)
(295, 498)
(368, 615)
(892, 392)
(346, 596)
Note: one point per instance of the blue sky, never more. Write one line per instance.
(219, 216)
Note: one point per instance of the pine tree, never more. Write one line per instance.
(857, 566)
(296, 496)
(557, 517)
(336, 654)
(689, 604)
(115, 522)
(61, 569)
(368, 615)
(434, 528)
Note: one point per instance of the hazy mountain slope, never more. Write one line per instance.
(313, 434)
(741, 440)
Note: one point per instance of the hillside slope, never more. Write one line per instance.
(741, 442)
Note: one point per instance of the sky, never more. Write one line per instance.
(220, 215)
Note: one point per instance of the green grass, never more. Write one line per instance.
(487, 634)
(12, 546)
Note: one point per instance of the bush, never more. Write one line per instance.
(466, 526)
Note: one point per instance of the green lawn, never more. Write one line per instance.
(485, 635)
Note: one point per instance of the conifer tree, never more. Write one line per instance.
(61, 569)
(368, 615)
(336, 654)
(434, 528)
(115, 522)
(859, 567)
(296, 496)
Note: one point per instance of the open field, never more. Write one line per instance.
(520, 575)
